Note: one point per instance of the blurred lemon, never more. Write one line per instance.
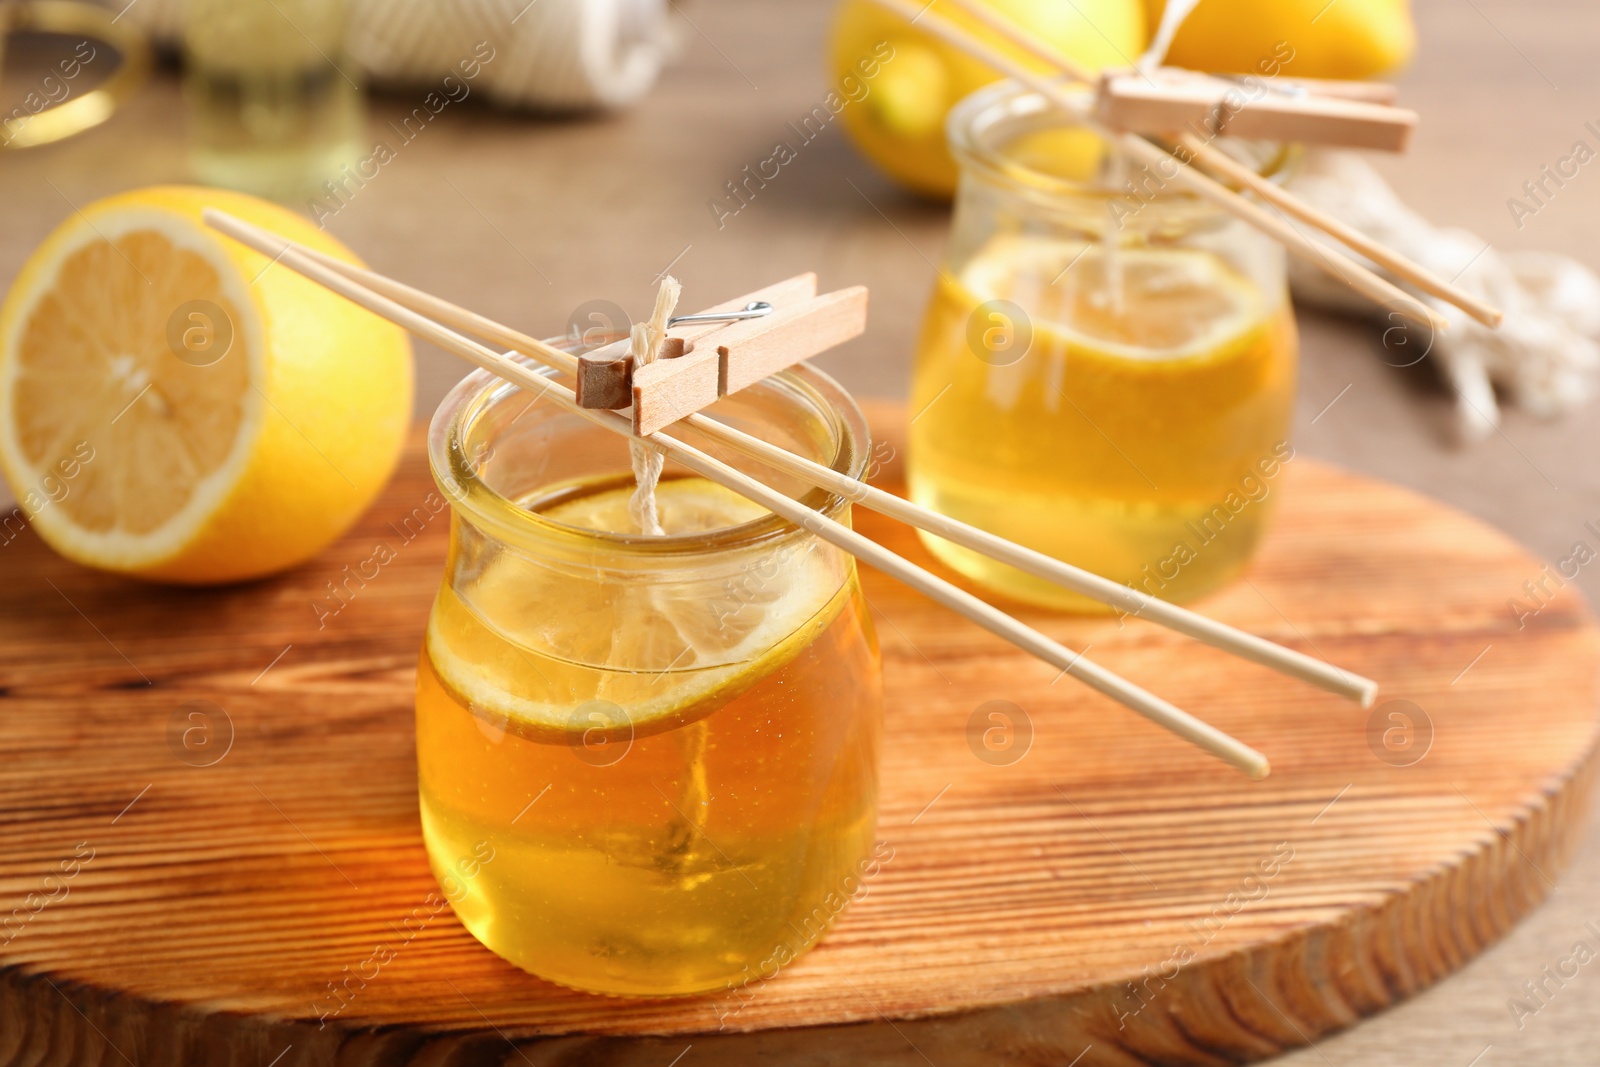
(911, 80)
(174, 406)
(1341, 39)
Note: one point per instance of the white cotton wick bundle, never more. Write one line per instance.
(555, 55)
(1545, 357)
(551, 55)
(647, 459)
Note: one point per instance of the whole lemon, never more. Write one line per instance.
(175, 406)
(903, 81)
(1338, 39)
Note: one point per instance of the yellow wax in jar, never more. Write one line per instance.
(1136, 433)
(652, 832)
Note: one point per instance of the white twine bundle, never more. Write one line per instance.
(1544, 356)
(648, 460)
(555, 55)
(550, 54)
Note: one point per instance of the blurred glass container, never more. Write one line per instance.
(273, 109)
(73, 93)
(1106, 372)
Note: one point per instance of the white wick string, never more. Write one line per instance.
(647, 459)
(1172, 17)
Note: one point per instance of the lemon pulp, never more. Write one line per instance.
(174, 406)
(100, 372)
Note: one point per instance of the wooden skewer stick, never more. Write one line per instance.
(1335, 263)
(1224, 165)
(1113, 594)
(1220, 163)
(1102, 590)
(1152, 707)
(1342, 267)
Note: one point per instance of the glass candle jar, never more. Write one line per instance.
(647, 765)
(1106, 371)
(274, 107)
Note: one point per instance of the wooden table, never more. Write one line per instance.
(527, 220)
(217, 826)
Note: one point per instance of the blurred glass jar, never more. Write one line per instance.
(1106, 372)
(273, 109)
(73, 94)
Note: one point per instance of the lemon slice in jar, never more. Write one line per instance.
(550, 653)
(683, 505)
(1175, 303)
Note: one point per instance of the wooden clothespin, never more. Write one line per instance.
(1303, 110)
(721, 350)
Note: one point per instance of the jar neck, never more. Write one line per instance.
(492, 450)
(1018, 149)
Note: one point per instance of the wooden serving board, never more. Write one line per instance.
(208, 818)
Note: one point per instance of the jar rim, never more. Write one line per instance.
(979, 113)
(470, 496)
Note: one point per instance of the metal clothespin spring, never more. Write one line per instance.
(756, 309)
(1298, 92)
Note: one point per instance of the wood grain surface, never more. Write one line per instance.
(208, 816)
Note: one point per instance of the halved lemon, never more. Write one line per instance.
(177, 407)
(1149, 303)
(545, 649)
